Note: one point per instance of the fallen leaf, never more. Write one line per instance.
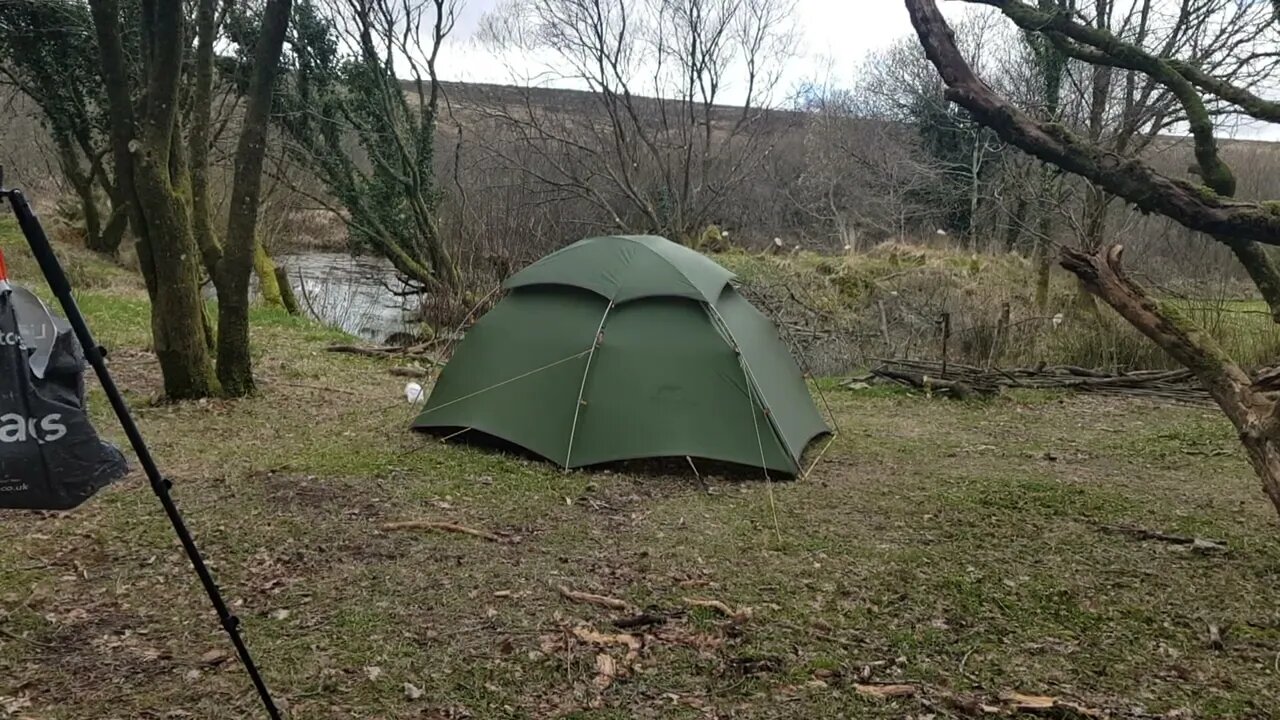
(1028, 702)
(280, 614)
(606, 670)
(1043, 703)
(593, 637)
(1215, 637)
(884, 692)
(411, 691)
(216, 656)
(373, 672)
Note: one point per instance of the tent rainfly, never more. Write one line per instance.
(627, 347)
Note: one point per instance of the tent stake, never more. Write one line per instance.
(61, 288)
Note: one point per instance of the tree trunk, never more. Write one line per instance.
(235, 369)
(1013, 233)
(1251, 406)
(114, 231)
(268, 282)
(201, 111)
(287, 297)
(177, 309)
(1096, 201)
(1043, 259)
(142, 144)
(92, 218)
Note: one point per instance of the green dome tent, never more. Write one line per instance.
(627, 347)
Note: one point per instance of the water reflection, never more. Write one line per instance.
(354, 294)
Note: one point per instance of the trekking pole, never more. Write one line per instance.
(61, 288)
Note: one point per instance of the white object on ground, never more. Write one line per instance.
(414, 393)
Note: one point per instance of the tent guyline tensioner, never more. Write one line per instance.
(96, 357)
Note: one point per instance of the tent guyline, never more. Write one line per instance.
(753, 388)
(671, 347)
(508, 381)
(160, 485)
(822, 395)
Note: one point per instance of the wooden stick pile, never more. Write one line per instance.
(963, 381)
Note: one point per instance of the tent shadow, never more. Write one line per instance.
(691, 468)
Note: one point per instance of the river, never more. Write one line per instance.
(355, 294)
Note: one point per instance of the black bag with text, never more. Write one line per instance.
(50, 456)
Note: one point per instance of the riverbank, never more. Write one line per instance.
(942, 555)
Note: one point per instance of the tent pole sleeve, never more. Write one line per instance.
(61, 288)
(595, 343)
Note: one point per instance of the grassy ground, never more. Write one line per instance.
(958, 547)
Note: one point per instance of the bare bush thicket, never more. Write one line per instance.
(654, 145)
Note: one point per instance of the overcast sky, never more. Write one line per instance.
(834, 33)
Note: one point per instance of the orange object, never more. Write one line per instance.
(4, 272)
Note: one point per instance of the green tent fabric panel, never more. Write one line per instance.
(709, 276)
(624, 268)
(777, 376)
(665, 383)
(530, 329)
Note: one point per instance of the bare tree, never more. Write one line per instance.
(47, 53)
(1250, 402)
(898, 85)
(366, 135)
(658, 148)
(862, 180)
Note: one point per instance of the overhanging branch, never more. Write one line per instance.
(1191, 205)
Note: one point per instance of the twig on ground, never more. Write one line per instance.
(443, 526)
(1178, 385)
(319, 388)
(419, 351)
(1199, 544)
(409, 372)
(738, 616)
(591, 599)
(19, 638)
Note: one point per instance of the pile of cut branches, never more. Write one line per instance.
(965, 381)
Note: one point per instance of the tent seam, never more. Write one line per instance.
(577, 408)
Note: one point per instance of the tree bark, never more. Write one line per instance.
(201, 120)
(268, 281)
(287, 297)
(1044, 259)
(235, 369)
(142, 142)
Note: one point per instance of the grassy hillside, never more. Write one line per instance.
(960, 548)
(847, 310)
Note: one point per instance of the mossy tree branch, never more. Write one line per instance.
(1131, 179)
(1104, 48)
(1097, 46)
